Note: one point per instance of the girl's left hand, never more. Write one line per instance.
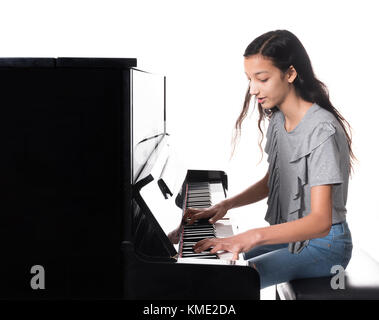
(242, 242)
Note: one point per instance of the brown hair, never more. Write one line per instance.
(284, 49)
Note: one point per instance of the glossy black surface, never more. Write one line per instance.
(65, 178)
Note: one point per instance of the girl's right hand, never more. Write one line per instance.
(215, 213)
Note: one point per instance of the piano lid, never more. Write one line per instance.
(16, 62)
(118, 63)
(35, 62)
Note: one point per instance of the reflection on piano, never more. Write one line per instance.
(96, 196)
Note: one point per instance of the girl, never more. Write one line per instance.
(310, 160)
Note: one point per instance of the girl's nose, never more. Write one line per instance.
(253, 89)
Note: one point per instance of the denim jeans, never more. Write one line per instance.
(275, 264)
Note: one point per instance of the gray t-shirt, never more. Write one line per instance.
(315, 153)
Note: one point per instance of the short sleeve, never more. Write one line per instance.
(324, 165)
(271, 133)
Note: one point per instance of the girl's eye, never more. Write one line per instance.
(263, 80)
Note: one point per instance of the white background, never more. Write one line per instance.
(199, 45)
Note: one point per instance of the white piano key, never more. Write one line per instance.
(213, 261)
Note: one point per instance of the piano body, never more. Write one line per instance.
(92, 192)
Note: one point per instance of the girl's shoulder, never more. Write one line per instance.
(320, 115)
(318, 126)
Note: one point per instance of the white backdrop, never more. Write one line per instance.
(198, 45)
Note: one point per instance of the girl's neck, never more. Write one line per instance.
(294, 109)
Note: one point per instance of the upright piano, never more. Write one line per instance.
(92, 194)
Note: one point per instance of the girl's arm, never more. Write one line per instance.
(252, 194)
(316, 224)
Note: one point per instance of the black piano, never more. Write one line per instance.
(92, 194)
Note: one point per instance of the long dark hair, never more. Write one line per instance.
(284, 49)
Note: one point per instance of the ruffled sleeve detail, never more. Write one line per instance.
(313, 139)
(317, 136)
(273, 214)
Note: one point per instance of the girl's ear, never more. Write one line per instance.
(291, 74)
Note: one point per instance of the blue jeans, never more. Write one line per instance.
(275, 264)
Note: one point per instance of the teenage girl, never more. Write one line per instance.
(310, 160)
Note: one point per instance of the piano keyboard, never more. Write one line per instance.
(198, 196)
(203, 195)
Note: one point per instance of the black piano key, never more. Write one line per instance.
(194, 203)
(187, 237)
(197, 238)
(204, 253)
(208, 232)
(199, 198)
(208, 257)
(193, 199)
(190, 249)
(198, 206)
(198, 190)
(196, 223)
(211, 229)
(198, 203)
(198, 255)
(201, 201)
(201, 222)
(198, 193)
(198, 227)
(198, 185)
(205, 232)
(188, 245)
(200, 230)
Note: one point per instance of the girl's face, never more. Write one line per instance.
(267, 82)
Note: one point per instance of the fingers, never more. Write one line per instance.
(203, 245)
(193, 214)
(217, 245)
(173, 236)
(195, 217)
(215, 218)
(217, 248)
(190, 212)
